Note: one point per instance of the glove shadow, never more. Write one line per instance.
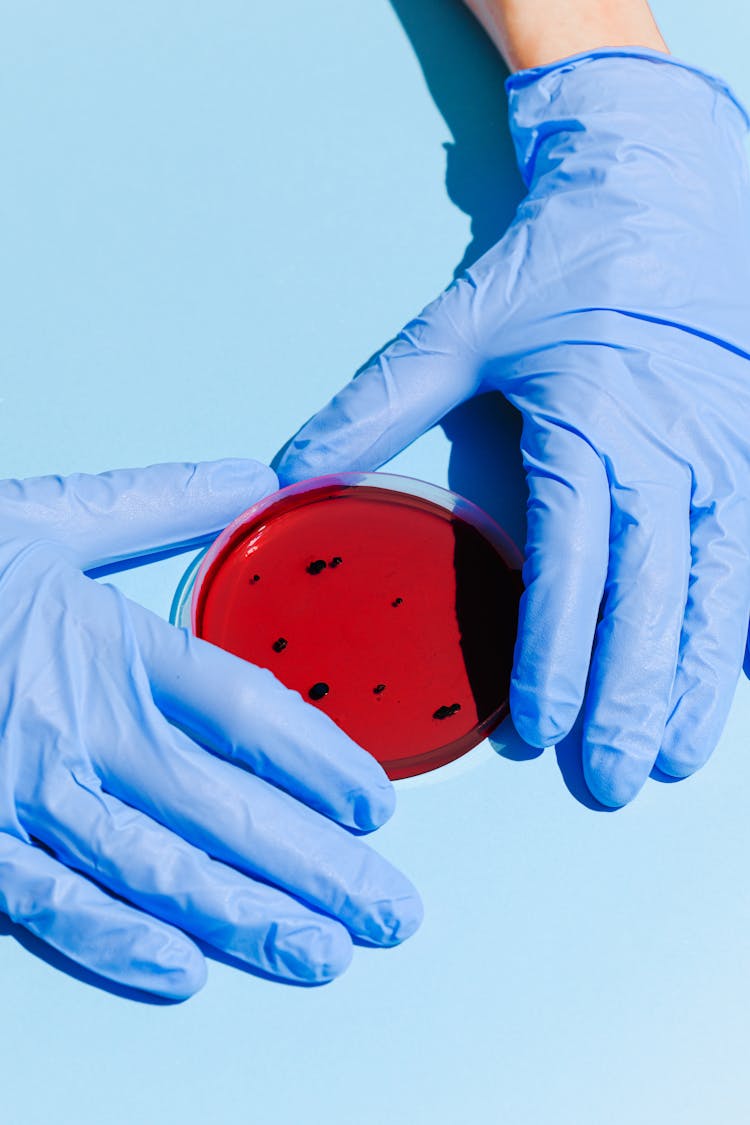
(485, 462)
(57, 960)
(465, 76)
(507, 743)
(63, 964)
(155, 556)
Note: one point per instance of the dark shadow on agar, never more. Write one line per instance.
(487, 596)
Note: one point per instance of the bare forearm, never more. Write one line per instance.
(535, 32)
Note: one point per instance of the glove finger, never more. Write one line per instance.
(427, 370)
(124, 513)
(157, 871)
(245, 714)
(246, 822)
(713, 637)
(637, 640)
(96, 931)
(564, 572)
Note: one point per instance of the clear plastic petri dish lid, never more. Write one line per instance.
(389, 603)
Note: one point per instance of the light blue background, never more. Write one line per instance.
(212, 214)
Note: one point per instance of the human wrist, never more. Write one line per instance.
(531, 33)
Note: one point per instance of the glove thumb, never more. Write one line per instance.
(126, 513)
(427, 370)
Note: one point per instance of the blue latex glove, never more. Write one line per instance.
(615, 314)
(103, 786)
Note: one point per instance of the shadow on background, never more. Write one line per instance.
(487, 595)
(59, 961)
(465, 76)
(507, 742)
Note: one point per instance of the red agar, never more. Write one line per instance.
(393, 615)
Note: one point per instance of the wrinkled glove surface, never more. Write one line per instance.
(128, 824)
(615, 315)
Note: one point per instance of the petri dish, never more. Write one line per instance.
(389, 603)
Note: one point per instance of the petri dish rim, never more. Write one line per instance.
(185, 603)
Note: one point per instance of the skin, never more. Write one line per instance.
(532, 33)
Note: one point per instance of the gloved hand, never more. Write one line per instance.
(615, 314)
(104, 786)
